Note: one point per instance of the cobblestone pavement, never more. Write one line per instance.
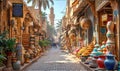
(56, 60)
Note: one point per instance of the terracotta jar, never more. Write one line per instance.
(100, 62)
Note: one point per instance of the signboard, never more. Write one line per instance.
(104, 17)
(17, 10)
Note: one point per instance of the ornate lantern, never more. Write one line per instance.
(84, 23)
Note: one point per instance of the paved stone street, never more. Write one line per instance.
(56, 60)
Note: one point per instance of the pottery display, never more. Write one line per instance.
(95, 52)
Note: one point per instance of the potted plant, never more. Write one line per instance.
(44, 43)
(2, 55)
(7, 43)
(3, 40)
(2, 58)
(10, 43)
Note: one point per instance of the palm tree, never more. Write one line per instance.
(40, 4)
(59, 26)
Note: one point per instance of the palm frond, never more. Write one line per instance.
(44, 4)
(52, 2)
(34, 3)
(40, 4)
(28, 1)
(47, 4)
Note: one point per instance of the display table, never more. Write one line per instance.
(93, 69)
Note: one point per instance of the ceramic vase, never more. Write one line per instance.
(110, 44)
(110, 62)
(93, 63)
(88, 61)
(16, 65)
(83, 58)
(100, 62)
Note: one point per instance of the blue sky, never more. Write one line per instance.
(59, 9)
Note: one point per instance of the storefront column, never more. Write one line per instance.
(115, 4)
(118, 1)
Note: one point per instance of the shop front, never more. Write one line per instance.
(101, 33)
(107, 11)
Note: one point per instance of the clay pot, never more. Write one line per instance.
(100, 62)
(9, 53)
(93, 63)
(16, 65)
(83, 58)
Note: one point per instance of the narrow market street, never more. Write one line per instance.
(56, 60)
(59, 35)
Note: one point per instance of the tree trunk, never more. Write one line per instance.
(40, 12)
